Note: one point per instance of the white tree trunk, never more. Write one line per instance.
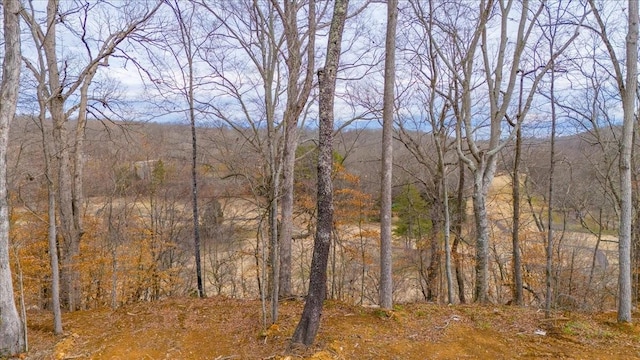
(12, 339)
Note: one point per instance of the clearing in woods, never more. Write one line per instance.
(222, 328)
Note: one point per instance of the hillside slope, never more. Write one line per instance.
(221, 328)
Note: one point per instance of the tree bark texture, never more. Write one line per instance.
(12, 339)
(626, 210)
(515, 234)
(480, 190)
(386, 262)
(307, 328)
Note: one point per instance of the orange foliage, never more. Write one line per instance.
(114, 269)
(28, 238)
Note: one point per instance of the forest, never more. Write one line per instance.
(299, 161)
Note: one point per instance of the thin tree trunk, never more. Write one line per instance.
(307, 328)
(297, 96)
(274, 251)
(626, 210)
(55, 268)
(12, 339)
(194, 185)
(460, 209)
(434, 254)
(447, 236)
(550, 208)
(594, 257)
(187, 41)
(518, 296)
(386, 266)
(65, 185)
(52, 235)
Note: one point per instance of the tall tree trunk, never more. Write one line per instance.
(12, 340)
(297, 96)
(194, 183)
(552, 166)
(626, 211)
(187, 41)
(52, 232)
(65, 184)
(518, 297)
(386, 266)
(307, 328)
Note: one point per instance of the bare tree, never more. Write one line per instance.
(307, 328)
(501, 61)
(62, 89)
(434, 90)
(627, 87)
(249, 42)
(186, 85)
(12, 339)
(299, 85)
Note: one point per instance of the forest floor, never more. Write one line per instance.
(221, 328)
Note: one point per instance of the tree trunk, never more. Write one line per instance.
(386, 267)
(186, 37)
(297, 96)
(518, 298)
(447, 236)
(434, 253)
(626, 211)
(12, 339)
(552, 166)
(482, 181)
(286, 207)
(307, 328)
(52, 232)
(460, 210)
(194, 182)
(70, 248)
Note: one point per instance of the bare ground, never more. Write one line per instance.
(221, 328)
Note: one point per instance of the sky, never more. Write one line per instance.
(156, 93)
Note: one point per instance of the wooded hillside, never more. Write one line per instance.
(363, 152)
(137, 189)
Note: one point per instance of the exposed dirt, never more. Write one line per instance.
(220, 328)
